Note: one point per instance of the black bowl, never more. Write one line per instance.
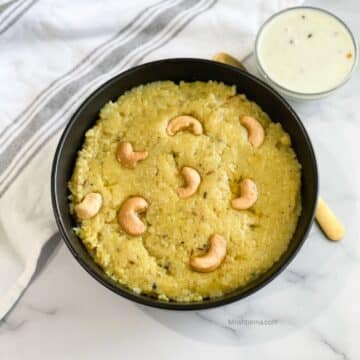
(177, 70)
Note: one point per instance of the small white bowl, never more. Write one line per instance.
(285, 63)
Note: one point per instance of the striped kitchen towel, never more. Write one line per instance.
(54, 53)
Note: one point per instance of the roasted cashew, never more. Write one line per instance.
(248, 197)
(89, 206)
(127, 156)
(192, 179)
(128, 218)
(182, 122)
(256, 133)
(213, 258)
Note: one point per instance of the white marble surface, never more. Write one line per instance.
(309, 312)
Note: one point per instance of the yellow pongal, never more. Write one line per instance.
(157, 262)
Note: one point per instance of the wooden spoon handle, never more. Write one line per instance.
(328, 222)
(228, 59)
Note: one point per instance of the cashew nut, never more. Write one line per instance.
(249, 195)
(128, 157)
(89, 206)
(182, 122)
(213, 258)
(128, 218)
(192, 179)
(256, 133)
